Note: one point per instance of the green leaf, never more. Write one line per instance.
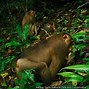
(87, 22)
(71, 75)
(25, 31)
(34, 37)
(4, 84)
(77, 78)
(37, 84)
(12, 43)
(16, 87)
(87, 59)
(81, 67)
(78, 34)
(29, 75)
(80, 46)
(18, 30)
(87, 87)
(2, 40)
(80, 37)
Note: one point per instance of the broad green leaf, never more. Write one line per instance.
(71, 75)
(78, 34)
(80, 67)
(75, 79)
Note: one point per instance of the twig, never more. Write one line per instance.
(83, 5)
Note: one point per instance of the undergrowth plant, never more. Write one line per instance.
(27, 81)
(78, 73)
